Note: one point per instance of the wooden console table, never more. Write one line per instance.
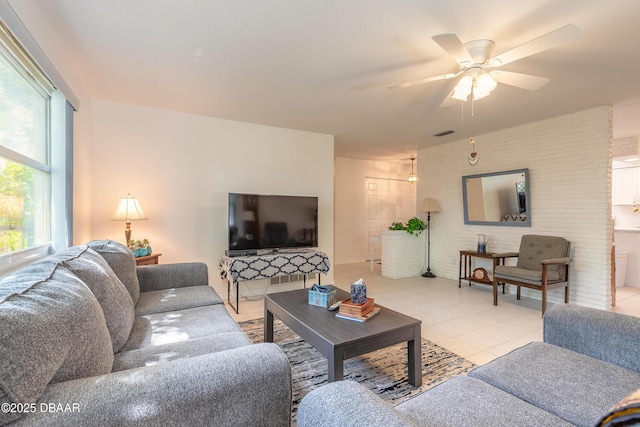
(467, 255)
(271, 264)
(148, 259)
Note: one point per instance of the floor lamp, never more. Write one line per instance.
(429, 205)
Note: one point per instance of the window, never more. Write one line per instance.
(36, 152)
(24, 159)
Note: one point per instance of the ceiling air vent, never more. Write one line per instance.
(443, 133)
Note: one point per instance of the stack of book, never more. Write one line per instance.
(358, 312)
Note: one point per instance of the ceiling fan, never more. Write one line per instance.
(474, 60)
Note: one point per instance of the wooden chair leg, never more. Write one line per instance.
(518, 293)
(566, 294)
(544, 300)
(495, 292)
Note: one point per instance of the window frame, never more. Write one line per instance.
(59, 141)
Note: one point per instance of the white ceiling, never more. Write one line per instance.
(323, 66)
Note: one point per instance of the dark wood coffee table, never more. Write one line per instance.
(339, 339)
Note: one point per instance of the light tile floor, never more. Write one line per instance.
(462, 320)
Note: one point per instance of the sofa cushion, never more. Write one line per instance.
(51, 330)
(175, 299)
(625, 412)
(169, 276)
(149, 356)
(604, 335)
(534, 248)
(181, 325)
(113, 297)
(555, 379)
(121, 261)
(465, 401)
(533, 277)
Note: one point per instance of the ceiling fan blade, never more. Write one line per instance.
(452, 44)
(547, 41)
(523, 81)
(425, 80)
(448, 101)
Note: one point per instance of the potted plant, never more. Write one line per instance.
(414, 226)
(140, 247)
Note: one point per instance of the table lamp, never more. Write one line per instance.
(128, 210)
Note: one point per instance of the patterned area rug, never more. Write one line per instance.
(384, 371)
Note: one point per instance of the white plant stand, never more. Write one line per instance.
(403, 254)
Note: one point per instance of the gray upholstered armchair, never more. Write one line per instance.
(543, 263)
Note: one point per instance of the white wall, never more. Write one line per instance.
(569, 162)
(350, 211)
(182, 167)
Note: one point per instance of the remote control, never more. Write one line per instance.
(334, 307)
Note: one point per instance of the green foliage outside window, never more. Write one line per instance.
(23, 130)
(16, 204)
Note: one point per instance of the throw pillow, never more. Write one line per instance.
(113, 297)
(624, 413)
(52, 330)
(123, 263)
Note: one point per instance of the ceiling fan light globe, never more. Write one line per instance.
(463, 88)
(461, 95)
(485, 83)
(477, 94)
(465, 83)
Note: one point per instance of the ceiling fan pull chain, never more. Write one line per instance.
(473, 158)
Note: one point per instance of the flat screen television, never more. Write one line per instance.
(261, 221)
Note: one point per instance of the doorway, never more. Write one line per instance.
(387, 200)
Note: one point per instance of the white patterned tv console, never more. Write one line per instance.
(272, 264)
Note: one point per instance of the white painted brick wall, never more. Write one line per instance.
(403, 254)
(569, 162)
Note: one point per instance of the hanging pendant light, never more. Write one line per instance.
(412, 176)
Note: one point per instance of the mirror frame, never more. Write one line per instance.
(526, 223)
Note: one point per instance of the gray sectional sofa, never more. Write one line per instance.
(589, 361)
(87, 338)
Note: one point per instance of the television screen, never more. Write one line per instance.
(258, 221)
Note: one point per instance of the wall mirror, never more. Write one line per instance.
(498, 198)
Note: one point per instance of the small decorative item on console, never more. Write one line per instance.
(480, 274)
(324, 296)
(140, 247)
(358, 292)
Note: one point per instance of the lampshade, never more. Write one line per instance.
(429, 205)
(248, 216)
(128, 210)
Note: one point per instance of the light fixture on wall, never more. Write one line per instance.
(429, 205)
(412, 176)
(128, 210)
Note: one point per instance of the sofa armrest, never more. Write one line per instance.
(611, 337)
(166, 276)
(556, 261)
(347, 404)
(248, 386)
